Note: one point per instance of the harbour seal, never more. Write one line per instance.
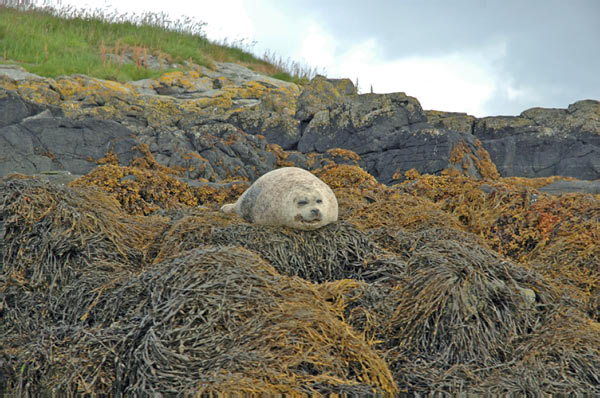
(290, 197)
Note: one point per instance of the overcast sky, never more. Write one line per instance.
(482, 57)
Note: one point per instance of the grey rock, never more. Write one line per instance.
(545, 142)
(13, 109)
(456, 121)
(560, 187)
(277, 128)
(389, 131)
(41, 144)
(241, 75)
(365, 123)
(16, 72)
(429, 151)
(320, 94)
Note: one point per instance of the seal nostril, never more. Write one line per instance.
(315, 212)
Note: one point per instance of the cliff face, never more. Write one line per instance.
(233, 122)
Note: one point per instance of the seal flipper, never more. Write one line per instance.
(229, 208)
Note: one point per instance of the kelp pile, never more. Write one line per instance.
(146, 186)
(556, 235)
(84, 311)
(214, 319)
(439, 284)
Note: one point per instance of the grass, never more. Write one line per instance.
(106, 44)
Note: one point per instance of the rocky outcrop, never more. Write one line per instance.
(174, 101)
(455, 121)
(389, 132)
(15, 109)
(36, 139)
(544, 142)
(232, 122)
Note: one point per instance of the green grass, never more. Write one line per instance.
(52, 42)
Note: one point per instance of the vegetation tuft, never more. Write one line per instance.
(107, 44)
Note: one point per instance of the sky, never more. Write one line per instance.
(482, 57)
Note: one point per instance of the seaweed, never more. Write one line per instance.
(441, 284)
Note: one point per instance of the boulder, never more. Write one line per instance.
(320, 93)
(560, 187)
(544, 142)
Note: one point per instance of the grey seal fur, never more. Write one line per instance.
(290, 197)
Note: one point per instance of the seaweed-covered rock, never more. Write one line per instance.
(96, 300)
(461, 318)
(59, 245)
(553, 234)
(215, 320)
(146, 186)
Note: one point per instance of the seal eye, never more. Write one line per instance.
(302, 203)
(319, 201)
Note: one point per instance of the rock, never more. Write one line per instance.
(16, 72)
(455, 121)
(14, 108)
(213, 151)
(278, 128)
(430, 151)
(366, 123)
(175, 99)
(226, 122)
(560, 187)
(321, 93)
(389, 132)
(545, 142)
(57, 144)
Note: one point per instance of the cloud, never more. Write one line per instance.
(318, 47)
(549, 53)
(460, 82)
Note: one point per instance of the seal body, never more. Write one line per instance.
(290, 197)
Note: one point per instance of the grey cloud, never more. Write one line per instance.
(551, 45)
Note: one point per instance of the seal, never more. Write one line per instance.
(290, 197)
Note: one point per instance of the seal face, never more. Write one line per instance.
(289, 196)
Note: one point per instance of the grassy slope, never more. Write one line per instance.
(68, 41)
